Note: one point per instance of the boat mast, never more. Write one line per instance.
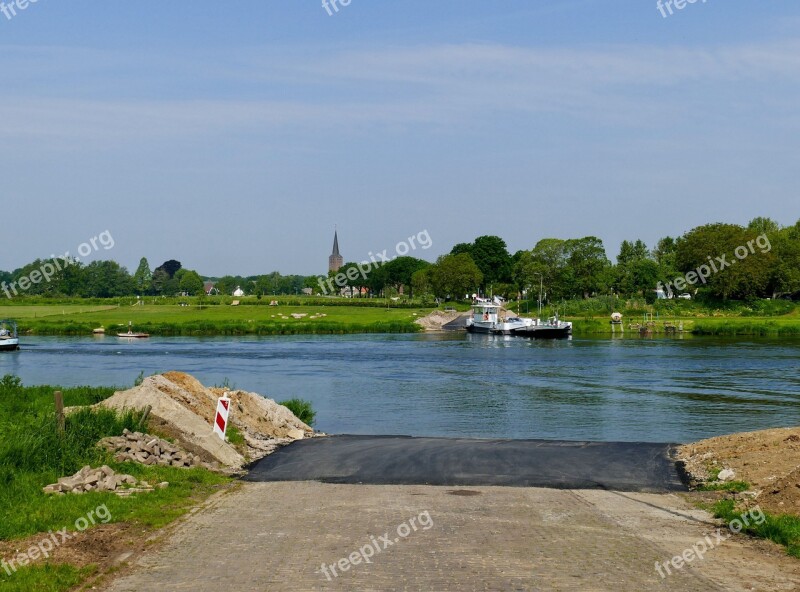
(541, 285)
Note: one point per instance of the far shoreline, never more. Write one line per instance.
(351, 317)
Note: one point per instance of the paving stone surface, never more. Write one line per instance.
(276, 536)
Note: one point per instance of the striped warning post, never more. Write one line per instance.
(221, 419)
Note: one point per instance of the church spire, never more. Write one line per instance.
(335, 261)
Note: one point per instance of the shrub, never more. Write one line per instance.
(302, 409)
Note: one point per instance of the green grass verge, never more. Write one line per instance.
(33, 454)
(44, 578)
(733, 486)
(784, 529)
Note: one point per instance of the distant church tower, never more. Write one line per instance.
(335, 261)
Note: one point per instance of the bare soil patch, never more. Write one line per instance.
(768, 460)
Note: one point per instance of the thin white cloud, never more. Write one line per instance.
(445, 85)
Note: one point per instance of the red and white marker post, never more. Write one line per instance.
(221, 419)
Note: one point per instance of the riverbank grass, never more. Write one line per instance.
(299, 316)
(32, 455)
(46, 578)
(783, 530)
(175, 320)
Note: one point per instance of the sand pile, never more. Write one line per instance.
(184, 409)
(768, 460)
(435, 320)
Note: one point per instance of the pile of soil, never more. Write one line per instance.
(184, 409)
(437, 319)
(783, 497)
(769, 460)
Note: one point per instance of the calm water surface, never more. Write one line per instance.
(662, 390)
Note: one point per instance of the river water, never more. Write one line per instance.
(649, 390)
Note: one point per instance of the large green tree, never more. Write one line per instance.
(710, 250)
(636, 272)
(632, 251)
(454, 276)
(589, 265)
(785, 273)
(191, 283)
(143, 278)
(421, 282)
(159, 281)
(546, 265)
(761, 225)
(491, 255)
(172, 267)
(106, 279)
(399, 271)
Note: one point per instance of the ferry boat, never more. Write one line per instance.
(485, 318)
(9, 341)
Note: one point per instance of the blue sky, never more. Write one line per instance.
(233, 136)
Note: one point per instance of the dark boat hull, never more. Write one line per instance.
(489, 330)
(544, 332)
(481, 330)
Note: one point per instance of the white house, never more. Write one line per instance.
(238, 292)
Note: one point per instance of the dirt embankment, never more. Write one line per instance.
(184, 409)
(768, 460)
(437, 319)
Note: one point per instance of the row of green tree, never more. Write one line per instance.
(724, 261)
(99, 279)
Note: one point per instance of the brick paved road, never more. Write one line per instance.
(276, 536)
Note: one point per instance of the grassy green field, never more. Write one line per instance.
(32, 455)
(340, 316)
(723, 327)
(213, 320)
(768, 318)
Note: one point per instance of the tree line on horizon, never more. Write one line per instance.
(564, 268)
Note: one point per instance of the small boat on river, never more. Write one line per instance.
(9, 340)
(131, 335)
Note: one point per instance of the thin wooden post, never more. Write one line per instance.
(145, 415)
(60, 411)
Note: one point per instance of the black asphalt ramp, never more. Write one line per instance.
(403, 460)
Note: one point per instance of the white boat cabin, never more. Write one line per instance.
(485, 313)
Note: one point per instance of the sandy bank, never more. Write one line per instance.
(768, 460)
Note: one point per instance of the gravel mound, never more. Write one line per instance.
(183, 409)
(437, 319)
